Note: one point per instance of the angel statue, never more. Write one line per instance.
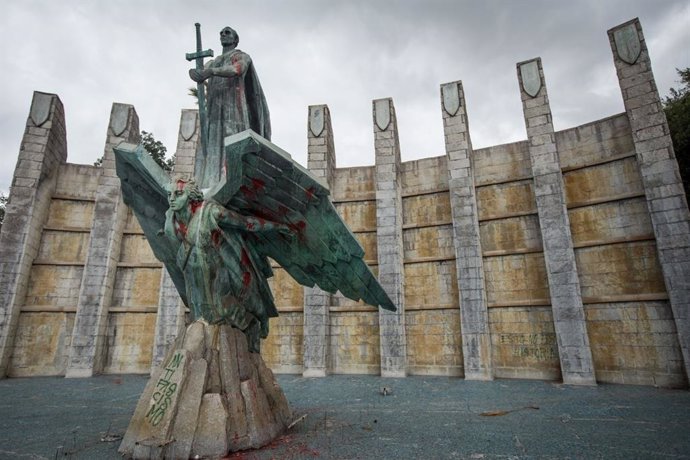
(216, 245)
(222, 284)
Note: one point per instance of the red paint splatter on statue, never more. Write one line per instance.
(216, 237)
(247, 192)
(258, 184)
(250, 226)
(196, 205)
(180, 184)
(310, 193)
(180, 229)
(244, 258)
(246, 278)
(298, 229)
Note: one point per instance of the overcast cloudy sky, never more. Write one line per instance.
(340, 53)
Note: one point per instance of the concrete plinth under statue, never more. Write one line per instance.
(211, 396)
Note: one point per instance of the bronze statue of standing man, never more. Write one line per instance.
(235, 102)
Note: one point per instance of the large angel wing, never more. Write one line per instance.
(262, 180)
(144, 189)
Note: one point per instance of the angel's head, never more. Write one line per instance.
(183, 191)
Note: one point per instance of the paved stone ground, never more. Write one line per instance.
(347, 418)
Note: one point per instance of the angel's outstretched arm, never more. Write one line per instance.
(230, 219)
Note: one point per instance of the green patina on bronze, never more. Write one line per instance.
(258, 204)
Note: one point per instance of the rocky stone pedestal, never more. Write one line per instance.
(209, 398)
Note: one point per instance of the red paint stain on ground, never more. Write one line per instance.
(284, 446)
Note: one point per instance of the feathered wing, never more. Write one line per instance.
(144, 190)
(262, 180)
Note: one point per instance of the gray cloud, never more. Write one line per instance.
(343, 54)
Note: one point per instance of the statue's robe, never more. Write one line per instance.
(234, 104)
(226, 281)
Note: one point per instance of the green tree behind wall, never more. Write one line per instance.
(155, 148)
(3, 203)
(677, 108)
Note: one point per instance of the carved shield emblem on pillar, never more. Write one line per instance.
(531, 80)
(316, 120)
(450, 93)
(119, 118)
(188, 124)
(40, 108)
(627, 43)
(382, 113)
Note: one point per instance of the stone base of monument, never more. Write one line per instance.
(211, 397)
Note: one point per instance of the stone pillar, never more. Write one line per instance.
(321, 163)
(661, 179)
(389, 238)
(474, 317)
(574, 352)
(87, 350)
(170, 319)
(43, 150)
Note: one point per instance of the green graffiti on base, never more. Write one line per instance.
(165, 389)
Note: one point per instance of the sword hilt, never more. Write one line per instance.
(199, 55)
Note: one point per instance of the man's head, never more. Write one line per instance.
(228, 37)
(183, 191)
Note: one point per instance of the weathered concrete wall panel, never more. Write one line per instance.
(431, 284)
(135, 249)
(359, 215)
(63, 247)
(501, 163)
(611, 222)
(428, 242)
(288, 294)
(368, 242)
(595, 142)
(512, 234)
(136, 287)
(619, 270)
(635, 343)
(434, 345)
(504, 200)
(54, 285)
(424, 210)
(355, 343)
(524, 343)
(42, 344)
(517, 279)
(617, 179)
(129, 343)
(70, 214)
(78, 181)
(353, 184)
(424, 176)
(283, 349)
